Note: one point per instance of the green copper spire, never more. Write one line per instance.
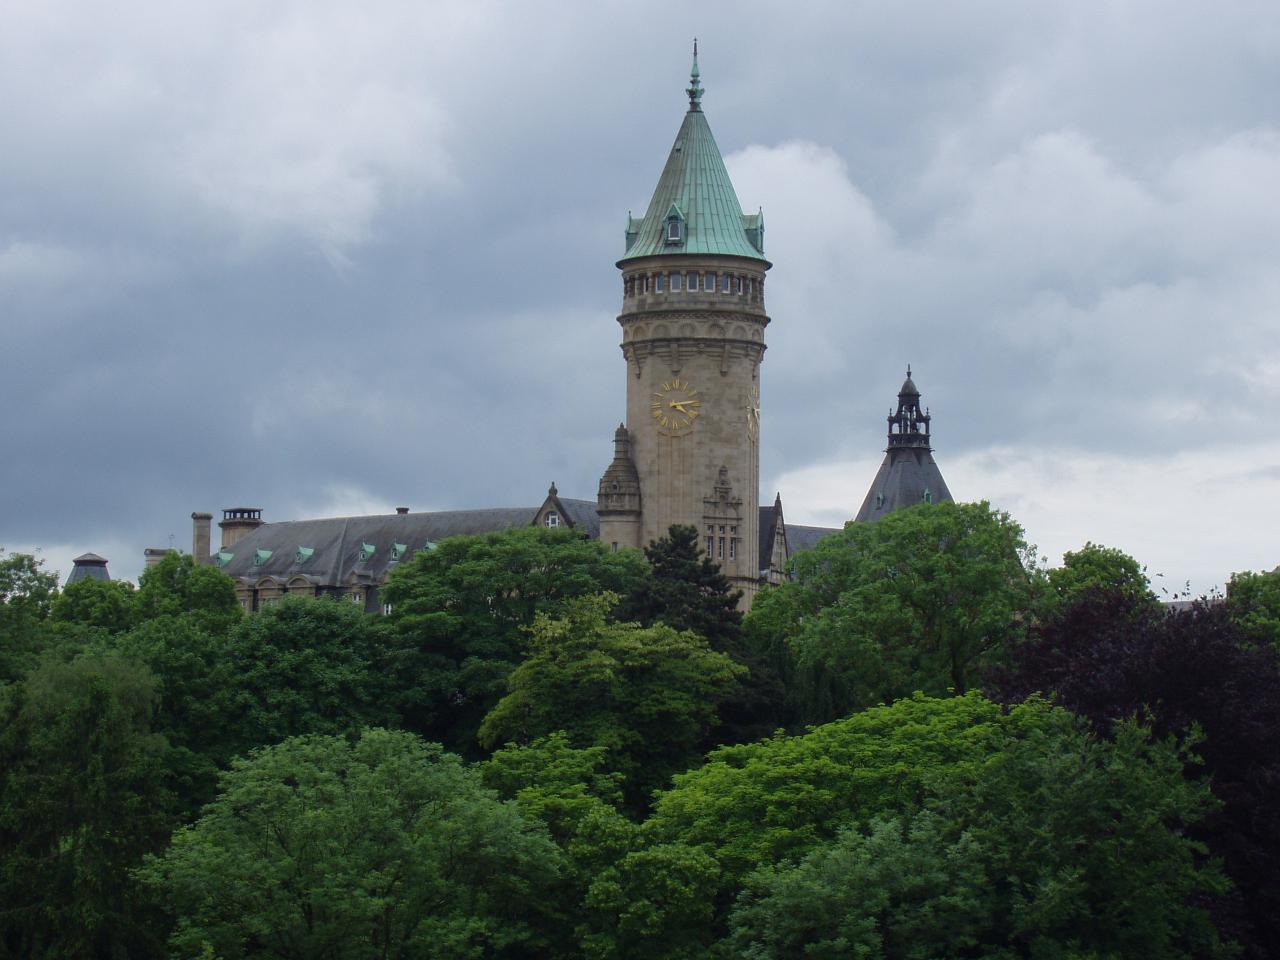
(695, 190)
(695, 86)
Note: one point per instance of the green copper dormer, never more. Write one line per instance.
(695, 186)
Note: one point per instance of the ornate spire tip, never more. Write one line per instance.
(695, 86)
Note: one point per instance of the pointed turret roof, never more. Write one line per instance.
(908, 475)
(696, 184)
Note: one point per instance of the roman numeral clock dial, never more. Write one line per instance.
(675, 406)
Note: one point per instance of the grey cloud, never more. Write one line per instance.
(309, 256)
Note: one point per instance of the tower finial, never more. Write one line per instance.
(695, 85)
(908, 371)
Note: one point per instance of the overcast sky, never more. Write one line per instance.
(331, 258)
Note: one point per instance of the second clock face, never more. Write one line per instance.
(675, 406)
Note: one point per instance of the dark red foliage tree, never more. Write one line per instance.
(1109, 656)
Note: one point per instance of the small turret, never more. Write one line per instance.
(88, 566)
(618, 500)
(908, 475)
(238, 522)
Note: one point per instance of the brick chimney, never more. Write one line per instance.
(201, 528)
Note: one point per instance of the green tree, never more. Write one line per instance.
(648, 695)
(200, 706)
(569, 790)
(945, 827)
(924, 599)
(108, 605)
(381, 846)
(461, 610)
(894, 890)
(1254, 602)
(655, 903)
(1059, 845)
(687, 591)
(300, 666)
(755, 804)
(307, 665)
(26, 595)
(82, 799)
(1095, 567)
(178, 585)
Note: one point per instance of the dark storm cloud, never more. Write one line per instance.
(316, 258)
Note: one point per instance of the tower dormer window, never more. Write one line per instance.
(675, 227)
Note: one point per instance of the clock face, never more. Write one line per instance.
(753, 413)
(675, 406)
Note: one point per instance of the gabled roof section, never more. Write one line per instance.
(696, 182)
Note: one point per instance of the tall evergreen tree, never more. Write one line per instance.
(687, 591)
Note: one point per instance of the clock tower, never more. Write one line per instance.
(693, 320)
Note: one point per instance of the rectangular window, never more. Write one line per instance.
(710, 538)
(552, 519)
(660, 283)
(733, 544)
(386, 609)
(725, 282)
(673, 230)
(708, 282)
(741, 286)
(692, 285)
(644, 284)
(720, 549)
(675, 283)
(615, 546)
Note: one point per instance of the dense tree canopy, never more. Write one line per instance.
(83, 797)
(178, 585)
(1254, 602)
(108, 605)
(1095, 567)
(382, 846)
(461, 611)
(648, 695)
(687, 591)
(923, 600)
(1112, 655)
(26, 596)
(1058, 844)
(943, 825)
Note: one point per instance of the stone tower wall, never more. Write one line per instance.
(710, 342)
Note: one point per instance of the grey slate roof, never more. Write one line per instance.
(88, 566)
(805, 538)
(337, 543)
(903, 478)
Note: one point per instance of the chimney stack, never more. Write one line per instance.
(201, 528)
